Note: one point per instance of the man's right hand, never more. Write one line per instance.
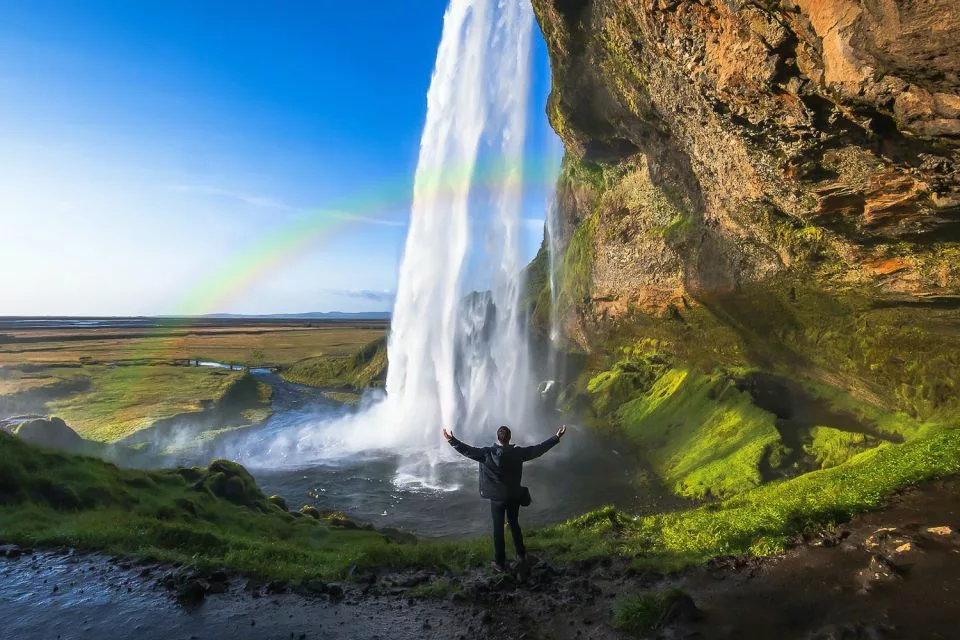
(562, 430)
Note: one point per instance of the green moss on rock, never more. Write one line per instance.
(832, 447)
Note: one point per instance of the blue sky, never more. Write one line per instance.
(144, 145)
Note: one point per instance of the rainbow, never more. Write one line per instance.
(251, 265)
(245, 268)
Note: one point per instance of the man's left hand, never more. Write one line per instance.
(447, 435)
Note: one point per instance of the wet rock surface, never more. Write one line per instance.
(890, 574)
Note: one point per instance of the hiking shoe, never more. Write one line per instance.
(497, 567)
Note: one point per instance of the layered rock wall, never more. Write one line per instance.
(797, 159)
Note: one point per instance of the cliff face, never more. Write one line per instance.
(764, 183)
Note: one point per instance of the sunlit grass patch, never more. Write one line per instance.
(701, 435)
(831, 447)
(367, 367)
(122, 400)
(760, 521)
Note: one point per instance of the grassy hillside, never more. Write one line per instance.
(123, 400)
(212, 517)
(365, 368)
(763, 520)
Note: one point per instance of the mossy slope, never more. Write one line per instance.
(213, 517)
(366, 368)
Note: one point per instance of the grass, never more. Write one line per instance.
(367, 367)
(217, 517)
(696, 431)
(210, 517)
(123, 400)
(14, 381)
(832, 447)
(343, 397)
(760, 521)
(643, 613)
(266, 345)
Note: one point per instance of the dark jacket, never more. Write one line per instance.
(501, 468)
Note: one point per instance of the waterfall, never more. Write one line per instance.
(460, 358)
(554, 248)
(458, 348)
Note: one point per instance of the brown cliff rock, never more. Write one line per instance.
(785, 134)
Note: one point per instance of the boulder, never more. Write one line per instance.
(278, 501)
(52, 433)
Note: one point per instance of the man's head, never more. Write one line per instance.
(503, 435)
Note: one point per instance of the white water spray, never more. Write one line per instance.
(459, 359)
(554, 249)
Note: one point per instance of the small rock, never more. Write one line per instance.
(190, 593)
(276, 586)
(218, 576)
(218, 587)
(11, 551)
(315, 586)
(368, 578)
(880, 570)
(335, 591)
(940, 531)
(682, 609)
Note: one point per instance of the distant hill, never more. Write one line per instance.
(312, 315)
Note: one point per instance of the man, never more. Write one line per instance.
(501, 469)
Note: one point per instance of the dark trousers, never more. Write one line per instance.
(511, 510)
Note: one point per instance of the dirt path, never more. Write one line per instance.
(889, 574)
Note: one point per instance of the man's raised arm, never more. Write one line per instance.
(537, 450)
(463, 448)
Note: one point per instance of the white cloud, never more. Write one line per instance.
(368, 220)
(266, 202)
(366, 294)
(262, 202)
